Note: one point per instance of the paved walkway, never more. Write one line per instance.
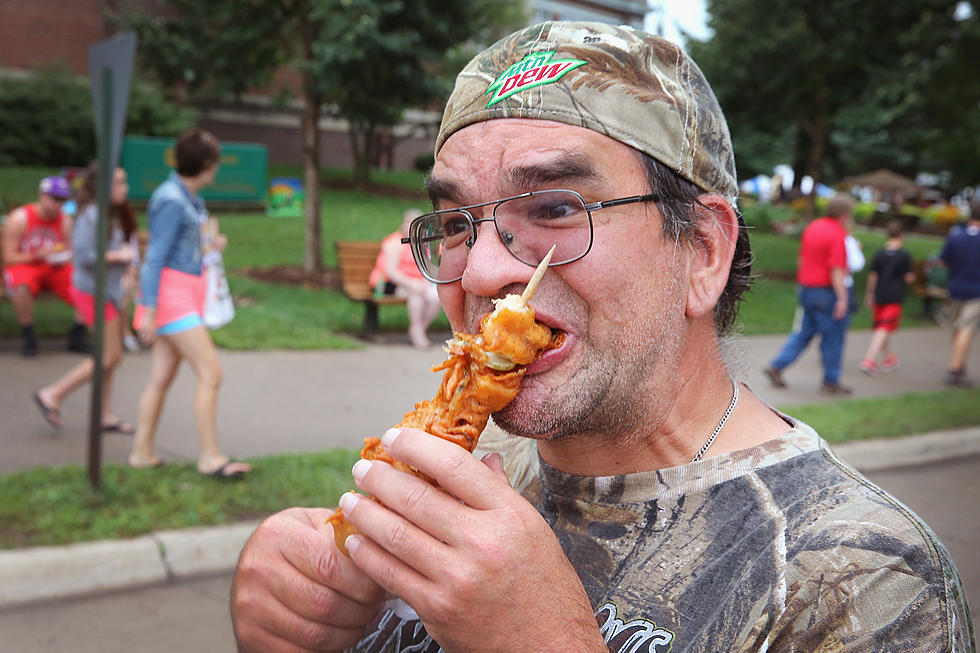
(274, 402)
(287, 401)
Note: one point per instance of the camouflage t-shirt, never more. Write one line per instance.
(781, 547)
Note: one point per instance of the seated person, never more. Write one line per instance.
(37, 256)
(395, 273)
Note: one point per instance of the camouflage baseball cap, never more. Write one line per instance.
(637, 88)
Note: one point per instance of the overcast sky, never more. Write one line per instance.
(687, 15)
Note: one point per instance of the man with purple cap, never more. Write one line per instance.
(641, 499)
(37, 256)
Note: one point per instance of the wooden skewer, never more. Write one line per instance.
(532, 285)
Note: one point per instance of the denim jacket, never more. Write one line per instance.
(175, 218)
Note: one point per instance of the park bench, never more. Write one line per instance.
(356, 259)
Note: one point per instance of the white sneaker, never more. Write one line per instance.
(131, 343)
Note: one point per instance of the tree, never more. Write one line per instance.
(368, 59)
(833, 86)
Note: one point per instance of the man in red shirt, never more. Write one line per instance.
(37, 256)
(823, 297)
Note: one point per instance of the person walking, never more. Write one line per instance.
(395, 273)
(666, 507)
(961, 255)
(118, 256)
(36, 257)
(891, 271)
(823, 296)
(170, 310)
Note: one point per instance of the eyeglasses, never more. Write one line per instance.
(528, 225)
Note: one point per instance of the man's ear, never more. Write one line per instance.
(712, 253)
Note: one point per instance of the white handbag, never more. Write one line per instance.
(219, 309)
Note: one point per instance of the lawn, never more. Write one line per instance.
(55, 505)
(270, 316)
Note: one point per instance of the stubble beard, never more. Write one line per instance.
(607, 397)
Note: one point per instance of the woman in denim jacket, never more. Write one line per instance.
(169, 315)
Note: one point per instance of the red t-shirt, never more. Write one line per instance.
(821, 249)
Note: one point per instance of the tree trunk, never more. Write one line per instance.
(364, 149)
(313, 246)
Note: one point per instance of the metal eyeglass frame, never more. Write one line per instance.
(465, 210)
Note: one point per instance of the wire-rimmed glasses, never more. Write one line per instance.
(528, 225)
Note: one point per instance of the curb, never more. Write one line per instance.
(54, 572)
(888, 453)
(45, 573)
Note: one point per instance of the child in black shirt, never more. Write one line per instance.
(890, 272)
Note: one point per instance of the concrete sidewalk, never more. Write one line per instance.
(295, 401)
(274, 402)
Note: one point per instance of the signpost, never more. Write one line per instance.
(110, 65)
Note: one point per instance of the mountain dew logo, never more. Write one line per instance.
(533, 70)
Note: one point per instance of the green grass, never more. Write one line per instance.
(272, 316)
(56, 505)
(860, 419)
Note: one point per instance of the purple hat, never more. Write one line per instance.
(55, 187)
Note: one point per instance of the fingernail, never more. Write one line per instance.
(348, 500)
(360, 468)
(352, 542)
(389, 437)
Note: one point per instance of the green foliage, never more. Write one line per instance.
(47, 118)
(761, 217)
(846, 86)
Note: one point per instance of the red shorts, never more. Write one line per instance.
(886, 316)
(85, 305)
(38, 277)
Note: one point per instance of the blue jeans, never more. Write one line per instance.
(818, 318)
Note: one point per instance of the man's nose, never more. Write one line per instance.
(490, 266)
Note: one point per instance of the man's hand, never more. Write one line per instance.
(474, 559)
(840, 308)
(294, 591)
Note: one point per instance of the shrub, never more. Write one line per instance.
(764, 217)
(48, 118)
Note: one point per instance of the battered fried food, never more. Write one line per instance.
(482, 375)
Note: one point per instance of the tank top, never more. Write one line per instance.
(40, 232)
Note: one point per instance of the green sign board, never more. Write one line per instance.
(241, 176)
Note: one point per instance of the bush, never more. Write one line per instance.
(48, 118)
(764, 217)
(423, 162)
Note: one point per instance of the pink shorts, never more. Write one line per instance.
(180, 302)
(85, 304)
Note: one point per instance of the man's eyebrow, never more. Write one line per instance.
(573, 167)
(442, 189)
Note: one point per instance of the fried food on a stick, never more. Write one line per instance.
(482, 375)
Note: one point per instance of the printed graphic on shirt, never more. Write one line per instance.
(637, 636)
(533, 70)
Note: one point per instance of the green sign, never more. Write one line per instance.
(241, 175)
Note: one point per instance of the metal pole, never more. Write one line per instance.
(103, 186)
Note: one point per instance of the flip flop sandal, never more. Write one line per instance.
(51, 415)
(120, 427)
(222, 475)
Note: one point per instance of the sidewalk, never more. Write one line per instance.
(273, 402)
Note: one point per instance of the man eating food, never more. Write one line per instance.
(650, 502)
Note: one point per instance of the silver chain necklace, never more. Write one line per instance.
(724, 418)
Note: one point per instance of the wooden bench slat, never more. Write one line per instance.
(356, 259)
